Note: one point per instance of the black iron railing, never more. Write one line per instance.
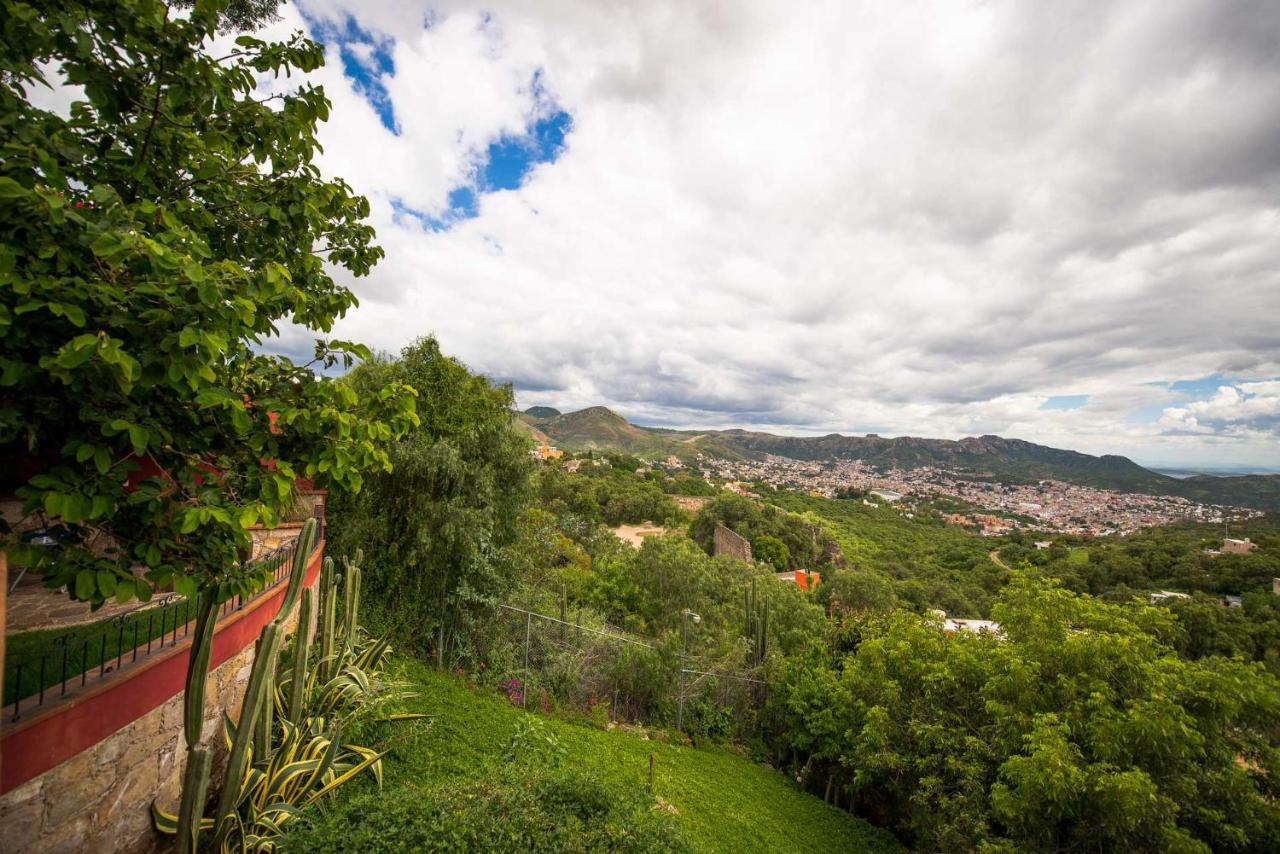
(56, 665)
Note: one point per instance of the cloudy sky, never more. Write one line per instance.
(1052, 221)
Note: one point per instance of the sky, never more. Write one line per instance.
(1053, 221)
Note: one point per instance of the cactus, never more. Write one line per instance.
(763, 646)
(266, 715)
(327, 622)
(301, 652)
(254, 697)
(757, 624)
(256, 710)
(353, 604)
(195, 784)
(198, 670)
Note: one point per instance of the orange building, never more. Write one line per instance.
(802, 578)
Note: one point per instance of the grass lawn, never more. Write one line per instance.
(722, 801)
(85, 646)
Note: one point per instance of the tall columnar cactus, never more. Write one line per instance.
(195, 785)
(328, 617)
(301, 652)
(353, 604)
(757, 623)
(762, 645)
(259, 695)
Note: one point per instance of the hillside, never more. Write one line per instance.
(445, 786)
(993, 457)
(599, 428)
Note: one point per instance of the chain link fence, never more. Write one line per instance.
(545, 662)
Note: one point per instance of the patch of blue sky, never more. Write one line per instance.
(366, 59)
(506, 164)
(1201, 388)
(1065, 402)
(1146, 414)
(510, 159)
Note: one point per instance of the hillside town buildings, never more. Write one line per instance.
(1046, 505)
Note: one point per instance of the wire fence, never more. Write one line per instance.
(543, 661)
(44, 669)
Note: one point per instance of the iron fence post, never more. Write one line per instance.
(684, 635)
(524, 689)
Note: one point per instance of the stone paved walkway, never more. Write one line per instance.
(32, 606)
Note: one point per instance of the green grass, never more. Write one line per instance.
(86, 647)
(725, 802)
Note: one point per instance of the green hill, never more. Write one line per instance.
(441, 780)
(600, 428)
(990, 457)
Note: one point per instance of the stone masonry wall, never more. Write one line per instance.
(730, 544)
(100, 799)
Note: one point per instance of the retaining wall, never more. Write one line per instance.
(81, 776)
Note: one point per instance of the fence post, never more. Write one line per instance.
(684, 631)
(528, 628)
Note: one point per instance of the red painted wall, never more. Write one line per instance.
(35, 745)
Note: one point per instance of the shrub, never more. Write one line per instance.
(518, 808)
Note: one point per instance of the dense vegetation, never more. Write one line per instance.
(1095, 720)
(608, 493)
(151, 242)
(435, 528)
(918, 563)
(1080, 727)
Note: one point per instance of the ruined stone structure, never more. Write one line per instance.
(691, 503)
(730, 544)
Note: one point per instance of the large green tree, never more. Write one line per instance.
(152, 240)
(435, 528)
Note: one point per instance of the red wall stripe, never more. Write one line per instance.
(35, 745)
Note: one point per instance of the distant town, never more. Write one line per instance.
(1049, 505)
(1046, 505)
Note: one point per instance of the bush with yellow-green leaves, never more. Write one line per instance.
(287, 751)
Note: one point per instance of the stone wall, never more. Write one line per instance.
(730, 544)
(100, 799)
(691, 503)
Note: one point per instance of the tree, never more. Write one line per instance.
(772, 551)
(436, 526)
(1078, 728)
(151, 242)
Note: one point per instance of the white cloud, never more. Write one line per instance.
(919, 218)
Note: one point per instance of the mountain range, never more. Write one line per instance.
(987, 457)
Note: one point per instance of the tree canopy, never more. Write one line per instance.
(434, 526)
(153, 240)
(1078, 727)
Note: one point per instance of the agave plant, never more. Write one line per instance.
(287, 752)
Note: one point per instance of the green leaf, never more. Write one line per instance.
(124, 590)
(99, 506)
(106, 583)
(138, 437)
(184, 585)
(11, 189)
(86, 583)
